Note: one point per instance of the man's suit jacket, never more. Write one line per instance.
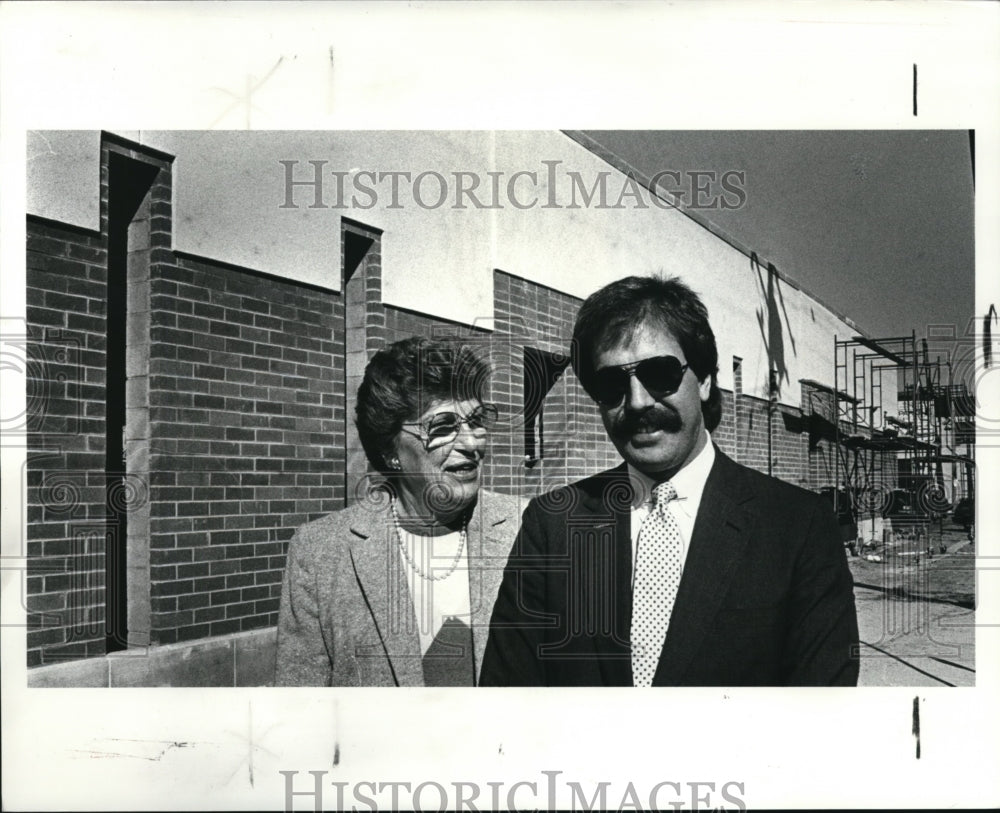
(765, 599)
(346, 616)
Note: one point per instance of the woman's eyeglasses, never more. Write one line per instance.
(443, 427)
(661, 376)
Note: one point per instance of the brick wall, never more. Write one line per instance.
(725, 433)
(65, 344)
(400, 323)
(247, 443)
(756, 419)
(234, 433)
(530, 315)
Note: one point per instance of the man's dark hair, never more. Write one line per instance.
(402, 380)
(615, 313)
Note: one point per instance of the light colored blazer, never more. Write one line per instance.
(346, 616)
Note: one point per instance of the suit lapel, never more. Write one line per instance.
(718, 540)
(607, 511)
(383, 581)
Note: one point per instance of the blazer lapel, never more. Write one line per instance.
(606, 511)
(716, 545)
(490, 538)
(382, 579)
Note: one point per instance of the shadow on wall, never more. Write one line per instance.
(770, 315)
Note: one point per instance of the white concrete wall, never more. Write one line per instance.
(64, 176)
(229, 188)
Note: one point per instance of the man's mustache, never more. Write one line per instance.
(658, 417)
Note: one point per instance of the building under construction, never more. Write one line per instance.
(904, 435)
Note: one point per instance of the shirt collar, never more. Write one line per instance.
(689, 482)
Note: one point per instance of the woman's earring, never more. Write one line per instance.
(394, 463)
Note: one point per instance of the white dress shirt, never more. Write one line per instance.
(690, 485)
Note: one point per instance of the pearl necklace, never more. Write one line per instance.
(433, 577)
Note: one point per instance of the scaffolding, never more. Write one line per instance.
(903, 437)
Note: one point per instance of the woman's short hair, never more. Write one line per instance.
(615, 313)
(406, 378)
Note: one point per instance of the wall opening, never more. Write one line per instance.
(737, 393)
(127, 442)
(359, 289)
(541, 371)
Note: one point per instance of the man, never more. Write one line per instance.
(679, 567)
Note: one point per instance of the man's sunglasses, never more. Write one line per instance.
(444, 427)
(660, 376)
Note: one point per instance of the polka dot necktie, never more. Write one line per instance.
(657, 576)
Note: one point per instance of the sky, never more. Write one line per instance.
(876, 224)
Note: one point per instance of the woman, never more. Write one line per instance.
(397, 590)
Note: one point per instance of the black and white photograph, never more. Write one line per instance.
(568, 436)
(294, 345)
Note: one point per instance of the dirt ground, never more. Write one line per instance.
(915, 598)
(915, 569)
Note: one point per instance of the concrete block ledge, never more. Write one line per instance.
(240, 659)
